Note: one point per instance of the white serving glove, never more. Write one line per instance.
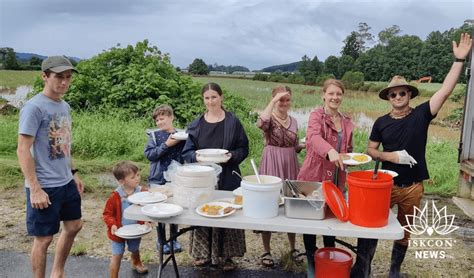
(405, 158)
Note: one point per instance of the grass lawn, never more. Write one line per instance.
(14, 78)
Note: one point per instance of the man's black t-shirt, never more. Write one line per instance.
(409, 133)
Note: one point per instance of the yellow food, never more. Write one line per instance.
(211, 210)
(360, 158)
(238, 200)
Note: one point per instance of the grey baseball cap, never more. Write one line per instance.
(57, 64)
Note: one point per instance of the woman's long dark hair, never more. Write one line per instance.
(211, 86)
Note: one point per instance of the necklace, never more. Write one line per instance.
(282, 119)
(400, 114)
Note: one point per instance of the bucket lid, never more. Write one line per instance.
(335, 201)
(195, 171)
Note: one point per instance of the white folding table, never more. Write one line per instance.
(330, 226)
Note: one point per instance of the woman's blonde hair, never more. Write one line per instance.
(334, 82)
(281, 88)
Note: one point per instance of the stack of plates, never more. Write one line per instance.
(162, 210)
(146, 197)
(132, 231)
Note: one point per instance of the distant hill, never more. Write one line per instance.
(27, 56)
(285, 67)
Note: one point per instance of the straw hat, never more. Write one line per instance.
(398, 81)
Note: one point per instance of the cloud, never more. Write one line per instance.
(251, 33)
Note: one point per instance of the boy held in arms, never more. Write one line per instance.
(160, 150)
(128, 177)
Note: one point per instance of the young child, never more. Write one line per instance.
(128, 177)
(160, 150)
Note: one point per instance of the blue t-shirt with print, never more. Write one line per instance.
(49, 121)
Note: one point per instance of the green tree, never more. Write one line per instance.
(372, 62)
(316, 66)
(403, 57)
(198, 67)
(10, 61)
(305, 69)
(364, 37)
(331, 65)
(435, 56)
(346, 63)
(388, 33)
(35, 61)
(352, 46)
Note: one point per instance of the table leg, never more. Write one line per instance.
(161, 242)
(161, 230)
(171, 240)
(220, 242)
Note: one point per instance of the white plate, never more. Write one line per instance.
(212, 152)
(162, 210)
(214, 159)
(132, 231)
(391, 173)
(180, 135)
(223, 204)
(146, 197)
(237, 191)
(354, 162)
(195, 170)
(230, 201)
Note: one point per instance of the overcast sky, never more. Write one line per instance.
(254, 34)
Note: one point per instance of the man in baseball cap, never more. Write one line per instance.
(57, 64)
(403, 134)
(53, 189)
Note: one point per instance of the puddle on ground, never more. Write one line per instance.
(16, 97)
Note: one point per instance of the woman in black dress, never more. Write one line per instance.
(221, 129)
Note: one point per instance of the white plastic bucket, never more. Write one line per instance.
(261, 200)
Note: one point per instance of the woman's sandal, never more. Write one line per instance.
(229, 265)
(201, 262)
(297, 256)
(266, 259)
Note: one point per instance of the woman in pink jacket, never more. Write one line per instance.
(329, 134)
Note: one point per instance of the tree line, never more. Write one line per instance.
(380, 59)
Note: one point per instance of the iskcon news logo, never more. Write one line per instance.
(438, 223)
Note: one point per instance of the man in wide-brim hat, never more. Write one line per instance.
(403, 134)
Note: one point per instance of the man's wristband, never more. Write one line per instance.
(74, 171)
(459, 60)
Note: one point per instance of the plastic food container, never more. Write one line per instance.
(314, 209)
(191, 197)
(193, 185)
(261, 200)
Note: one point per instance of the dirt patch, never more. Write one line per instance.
(458, 262)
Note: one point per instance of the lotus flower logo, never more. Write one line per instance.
(441, 222)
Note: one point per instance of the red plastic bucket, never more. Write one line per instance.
(369, 200)
(332, 262)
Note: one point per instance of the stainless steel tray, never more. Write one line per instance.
(303, 208)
